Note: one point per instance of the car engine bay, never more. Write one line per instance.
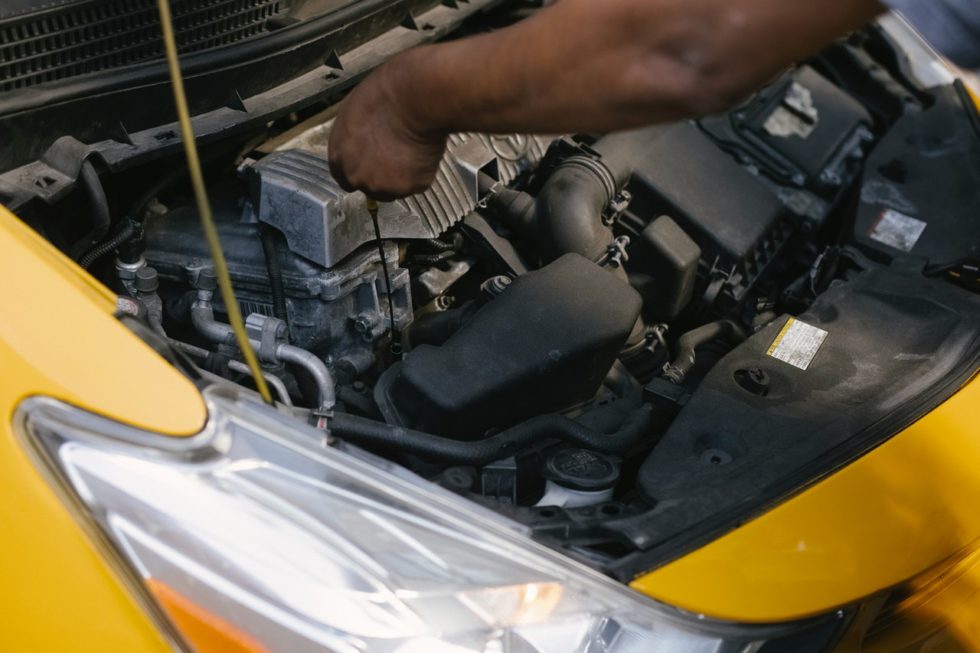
(627, 343)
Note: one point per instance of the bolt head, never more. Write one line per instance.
(754, 380)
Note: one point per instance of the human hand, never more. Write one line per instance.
(377, 147)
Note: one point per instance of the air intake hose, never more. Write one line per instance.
(570, 206)
(567, 214)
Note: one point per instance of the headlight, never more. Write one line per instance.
(254, 536)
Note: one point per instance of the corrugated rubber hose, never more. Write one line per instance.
(100, 250)
(101, 219)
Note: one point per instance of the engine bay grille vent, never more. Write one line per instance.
(104, 35)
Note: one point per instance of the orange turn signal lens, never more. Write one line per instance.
(203, 630)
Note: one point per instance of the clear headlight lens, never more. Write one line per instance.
(253, 536)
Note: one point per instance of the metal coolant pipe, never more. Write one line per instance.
(202, 317)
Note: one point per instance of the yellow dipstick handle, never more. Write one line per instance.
(204, 206)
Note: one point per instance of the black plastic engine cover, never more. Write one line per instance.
(921, 191)
(726, 210)
(758, 427)
(737, 221)
(544, 344)
(801, 127)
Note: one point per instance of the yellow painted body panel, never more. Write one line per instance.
(939, 615)
(57, 324)
(902, 509)
(58, 337)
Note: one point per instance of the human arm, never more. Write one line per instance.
(579, 65)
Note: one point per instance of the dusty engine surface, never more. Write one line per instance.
(559, 328)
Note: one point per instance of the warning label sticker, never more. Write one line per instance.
(797, 343)
(897, 230)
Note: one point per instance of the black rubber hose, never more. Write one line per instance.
(440, 245)
(101, 219)
(274, 267)
(567, 215)
(138, 209)
(432, 259)
(378, 434)
(514, 208)
(571, 203)
(569, 209)
(170, 178)
(352, 399)
(684, 358)
(100, 250)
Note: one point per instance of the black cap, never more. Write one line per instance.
(146, 279)
(581, 469)
(207, 279)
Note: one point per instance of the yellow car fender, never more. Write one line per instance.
(59, 338)
(908, 506)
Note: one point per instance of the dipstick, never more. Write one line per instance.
(372, 209)
(204, 206)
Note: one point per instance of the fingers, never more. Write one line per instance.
(384, 180)
(375, 149)
(337, 172)
(372, 156)
(392, 188)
